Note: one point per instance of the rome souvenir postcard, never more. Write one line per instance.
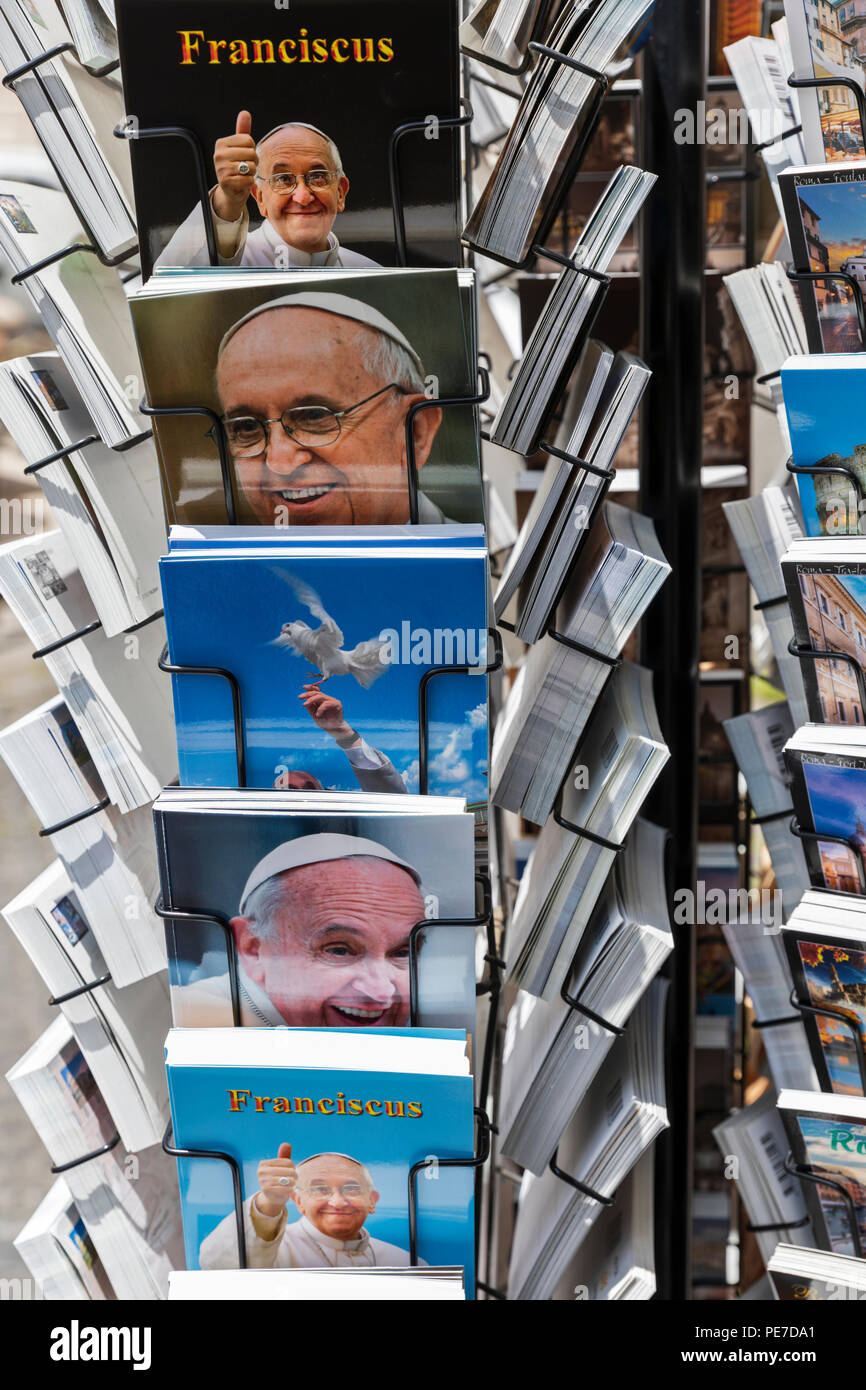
(825, 940)
(295, 114)
(827, 1134)
(826, 584)
(827, 232)
(827, 434)
(827, 767)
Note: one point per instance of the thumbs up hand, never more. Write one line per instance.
(235, 162)
(277, 1178)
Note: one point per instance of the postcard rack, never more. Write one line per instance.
(807, 1172)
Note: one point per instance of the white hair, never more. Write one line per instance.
(386, 360)
(302, 125)
(365, 1172)
(276, 893)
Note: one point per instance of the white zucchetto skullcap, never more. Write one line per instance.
(318, 849)
(339, 304)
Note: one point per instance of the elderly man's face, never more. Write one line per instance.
(302, 218)
(294, 357)
(338, 953)
(340, 1215)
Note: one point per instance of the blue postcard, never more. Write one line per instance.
(333, 650)
(827, 429)
(324, 1157)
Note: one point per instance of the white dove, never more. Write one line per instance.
(322, 646)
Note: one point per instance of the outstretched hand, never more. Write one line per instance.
(234, 187)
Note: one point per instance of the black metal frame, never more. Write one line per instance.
(237, 1184)
(61, 454)
(807, 1173)
(32, 64)
(86, 1158)
(126, 131)
(73, 820)
(813, 469)
(487, 669)
(815, 275)
(110, 261)
(87, 630)
(82, 989)
(482, 1153)
(443, 123)
(581, 1187)
(186, 915)
(571, 164)
(173, 669)
(433, 403)
(816, 83)
(804, 653)
(840, 1017)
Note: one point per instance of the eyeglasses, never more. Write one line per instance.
(316, 180)
(347, 1190)
(307, 424)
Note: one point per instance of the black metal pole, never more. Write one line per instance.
(672, 241)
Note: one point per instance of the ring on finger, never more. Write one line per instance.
(243, 167)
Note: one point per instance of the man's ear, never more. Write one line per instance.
(248, 947)
(425, 427)
(342, 190)
(374, 1197)
(259, 195)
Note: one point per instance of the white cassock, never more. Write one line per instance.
(295, 1245)
(264, 248)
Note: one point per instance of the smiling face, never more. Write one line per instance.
(302, 218)
(290, 357)
(340, 1215)
(335, 953)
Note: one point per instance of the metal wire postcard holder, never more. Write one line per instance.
(398, 213)
(87, 630)
(571, 164)
(804, 653)
(806, 1172)
(49, 830)
(86, 1158)
(170, 1148)
(583, 1188)
(178, 669)
(218, 434)
(482, 1153)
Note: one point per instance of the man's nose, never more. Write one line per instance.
(284, 453)
(302, 194)
(378, 979)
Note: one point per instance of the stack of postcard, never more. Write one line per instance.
(56, 1248)
(758, 952)
(127, 1201)
(618, 761)
(758, 740)
(74, 110)
(332, 904)
(313, 379)
(107, 504)
(499, 32)
(119, 1031)
(827, 764)
(827, 593)
(822, 205)
(558, 337)
(770, 313)
(563, 509)
(798, 1274)
(760, 68)
(112, 687)
(621, 1115)
(549, 707)
(616, 1261)
(826, 945)
(272, 100)
(371, 620)
(755, 1138)
(831, 125)
(552, 1051)
(82, 304)
(553, 124)
(827, 1136)
(110, 858)
(764, 527)
(351, 1119)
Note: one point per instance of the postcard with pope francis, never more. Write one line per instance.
(316, 386)
(325, 1155)
(329, 913)
(293, 110)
